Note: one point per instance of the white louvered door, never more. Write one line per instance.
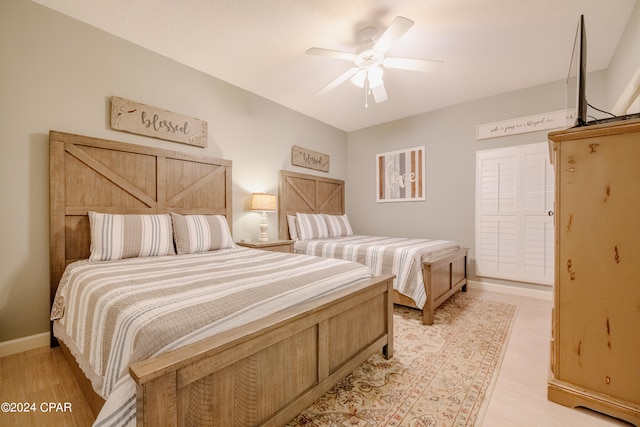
(538, 190)
(514, 207)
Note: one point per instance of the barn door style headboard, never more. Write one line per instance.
(91, 174)
(299, 192)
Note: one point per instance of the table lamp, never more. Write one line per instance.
(264, 203)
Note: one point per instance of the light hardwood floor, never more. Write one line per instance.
(518, 399)
(520, 394)
(41, 376)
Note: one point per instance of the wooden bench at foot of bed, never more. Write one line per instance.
(443, 277)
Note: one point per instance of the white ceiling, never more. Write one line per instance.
(488, 46)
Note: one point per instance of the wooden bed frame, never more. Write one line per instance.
(306, 193)
(262, 373)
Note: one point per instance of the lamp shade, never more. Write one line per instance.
(263, 202)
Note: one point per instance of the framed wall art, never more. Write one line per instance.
(400, 175)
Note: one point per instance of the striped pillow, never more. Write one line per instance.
(292, 222)
(312, 226)
(201, 233)
(338, 225)
(128, 236)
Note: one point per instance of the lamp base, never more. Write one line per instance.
(264, 226)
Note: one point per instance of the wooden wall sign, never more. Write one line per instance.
(309, 159)
(141, 119)
(556, 120)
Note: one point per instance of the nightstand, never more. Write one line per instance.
(271, 245)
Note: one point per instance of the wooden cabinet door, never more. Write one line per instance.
(598, 297)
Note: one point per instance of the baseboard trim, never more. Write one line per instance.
(7, 348)
(512, 290)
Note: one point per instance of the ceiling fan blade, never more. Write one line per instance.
(332, 53)
(398, 27)
(426, 65)
(342, 78)
(379, 93)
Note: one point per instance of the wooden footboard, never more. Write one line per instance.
(443, 277)
(266, 372)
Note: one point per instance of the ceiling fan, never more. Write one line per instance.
(370, 60)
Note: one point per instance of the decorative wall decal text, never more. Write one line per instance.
(141, 119)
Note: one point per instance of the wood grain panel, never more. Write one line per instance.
(193, 187)
(368, 327)
(122, 178)
(305, 193)
(441, 277)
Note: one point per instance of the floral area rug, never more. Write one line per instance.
(440, 375)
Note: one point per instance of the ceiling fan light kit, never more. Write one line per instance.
(370, 60)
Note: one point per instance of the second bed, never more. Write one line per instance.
(311, 212)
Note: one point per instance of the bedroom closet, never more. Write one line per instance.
(514, 208)
(595, 346)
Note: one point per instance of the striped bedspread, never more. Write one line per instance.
(400, 256)
(113, 313)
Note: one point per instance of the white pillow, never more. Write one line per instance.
(201, 233)
(127, 236)
(338, 225)
(312, 226)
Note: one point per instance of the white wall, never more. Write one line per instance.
(57, 73)
(623, 72)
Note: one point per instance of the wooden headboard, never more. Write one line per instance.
(299, 192)
(91, 174)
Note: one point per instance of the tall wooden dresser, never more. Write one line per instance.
(595, 347)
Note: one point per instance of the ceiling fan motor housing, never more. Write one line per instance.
(369, 58)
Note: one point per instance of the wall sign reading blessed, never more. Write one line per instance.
(142, 119)
(309, 159)
(400, 175)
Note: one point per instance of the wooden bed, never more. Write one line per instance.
(306, 193)
(193, 385)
